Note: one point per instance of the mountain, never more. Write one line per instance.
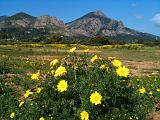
(90, 25)
(17, 20)
(25, 20)
(98, 24)
(3, 18)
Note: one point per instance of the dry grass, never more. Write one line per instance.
(143, 68)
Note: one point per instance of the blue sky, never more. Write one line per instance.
(142, 15)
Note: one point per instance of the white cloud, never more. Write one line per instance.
(134, 5)
(140, 17)
(156, 19)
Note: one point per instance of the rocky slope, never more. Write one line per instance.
(98, 24)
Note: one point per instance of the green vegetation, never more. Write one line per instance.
(18, 62)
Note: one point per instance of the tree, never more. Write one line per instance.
(54, 39)
(99, 40)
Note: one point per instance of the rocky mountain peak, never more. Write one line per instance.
(20, 19)
(48, 21)
(22, 15)
(97, 13)
(120, 23)
(96, 23)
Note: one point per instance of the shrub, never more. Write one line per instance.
(84, 87)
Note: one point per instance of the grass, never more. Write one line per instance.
(139, 60)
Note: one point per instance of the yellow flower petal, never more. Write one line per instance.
(84, 115)
(94, 58)
(103, 67)
(35, 76)
(62, 86)
(27, 93)
(158, 90)
(111, 58)
(150, 92)
(122, 71)
(116, 63)
(142, 90)
(21, 103)
(54, 62)
(86, 51)
(42, 118)
(72, 49)
(52, 72)
(12, 115)
(39, 90)
(95, 98)
(61, 71)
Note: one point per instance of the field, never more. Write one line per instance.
(19, 62)
(143, 61)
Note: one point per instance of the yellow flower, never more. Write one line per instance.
(103, 67)
(158, 90)
(52, 72)
(28, 92)
(39, 90)
(54, 62)
(94, 58)
(62, 86)
(12, 115)
(130, 118)
(122, 71)
(72, 49)
(42, 118)
(111, 58)
(21, 103)
(95, 98)
(84, 115)
(142, 90)
(116, 63)
(150, 92)
(61, 71)
(35, 76)
(51, 67)
(86, 51)
(75, 66)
